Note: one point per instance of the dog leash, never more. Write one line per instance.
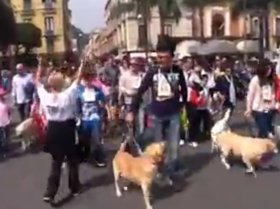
(129, 138)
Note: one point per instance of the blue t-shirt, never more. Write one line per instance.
(89, 100)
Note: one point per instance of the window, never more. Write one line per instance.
(49, 23)
(48, 3)
(50, 46)
(255, 27)
(277, 26)
(141, 35)
(168, 29)
(218, 25)
(27, 4)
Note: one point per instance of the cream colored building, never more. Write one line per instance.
(127, 33)
(52, 17)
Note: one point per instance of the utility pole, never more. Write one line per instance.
(261, 33)
(145, 15)
(245, 29)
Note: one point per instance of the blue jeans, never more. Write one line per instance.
(92, 131)
(168, 128)
(264, 122)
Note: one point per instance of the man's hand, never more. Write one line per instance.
(248, 113)
(129, 118)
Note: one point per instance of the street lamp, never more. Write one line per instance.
(144, 16)
(79, 43)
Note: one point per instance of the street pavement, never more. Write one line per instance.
(207, 184)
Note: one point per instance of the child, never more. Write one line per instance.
(90, 100)
(39, 120)
(199, 99)
(5, 119)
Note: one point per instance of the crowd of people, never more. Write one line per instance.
(174, 100)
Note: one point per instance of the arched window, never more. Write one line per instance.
(218, 25)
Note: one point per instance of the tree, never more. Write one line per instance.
(198, 6)
(7, 24)
(28, 36)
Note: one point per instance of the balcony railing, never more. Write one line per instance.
(27, 12)
(49, 33)
(49, 7)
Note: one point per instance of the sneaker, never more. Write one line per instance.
(99, 158)
(163, 180)
(193, 144)
(100, 163)
(48, 199)
(75, 194)
(271, 136)
(182, 142)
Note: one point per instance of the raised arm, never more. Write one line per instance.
(39, 71)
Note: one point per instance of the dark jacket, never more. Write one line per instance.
(223, 86)
(167, 107)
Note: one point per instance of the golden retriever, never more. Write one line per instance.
(140, 170)
(252, 151)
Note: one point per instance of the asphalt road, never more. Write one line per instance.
(208, 184)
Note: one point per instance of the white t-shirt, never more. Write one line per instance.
(60, 106)
(18, 85)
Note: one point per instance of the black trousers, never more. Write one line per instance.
(197, 118)
(60, 143)
(24, 110)
(54, 178)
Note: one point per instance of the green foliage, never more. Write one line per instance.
(168, 8)
(28, 36)
(7, 25)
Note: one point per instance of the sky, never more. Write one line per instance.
(87, 14)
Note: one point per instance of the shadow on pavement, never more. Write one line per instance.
(190, 164)
(95, 181)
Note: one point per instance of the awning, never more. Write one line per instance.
(186, 48)
(248, 46)
(217, 47)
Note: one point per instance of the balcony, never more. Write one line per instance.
(27, 12)
(49, 8)
(49, 34)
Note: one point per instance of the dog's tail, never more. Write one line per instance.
(227, 115)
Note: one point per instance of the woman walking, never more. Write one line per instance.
(60, 108)
(261, 99)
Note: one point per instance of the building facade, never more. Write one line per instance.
(52, 17)
(126, 33)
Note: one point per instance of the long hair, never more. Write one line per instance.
(262, 69)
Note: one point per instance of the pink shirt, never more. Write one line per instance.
(4, 114)
(260, 98)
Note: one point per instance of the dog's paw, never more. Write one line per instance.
(251, 172)
(118, 193)
(227, 166)
(125, 188)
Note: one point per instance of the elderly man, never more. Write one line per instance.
(22, 90)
